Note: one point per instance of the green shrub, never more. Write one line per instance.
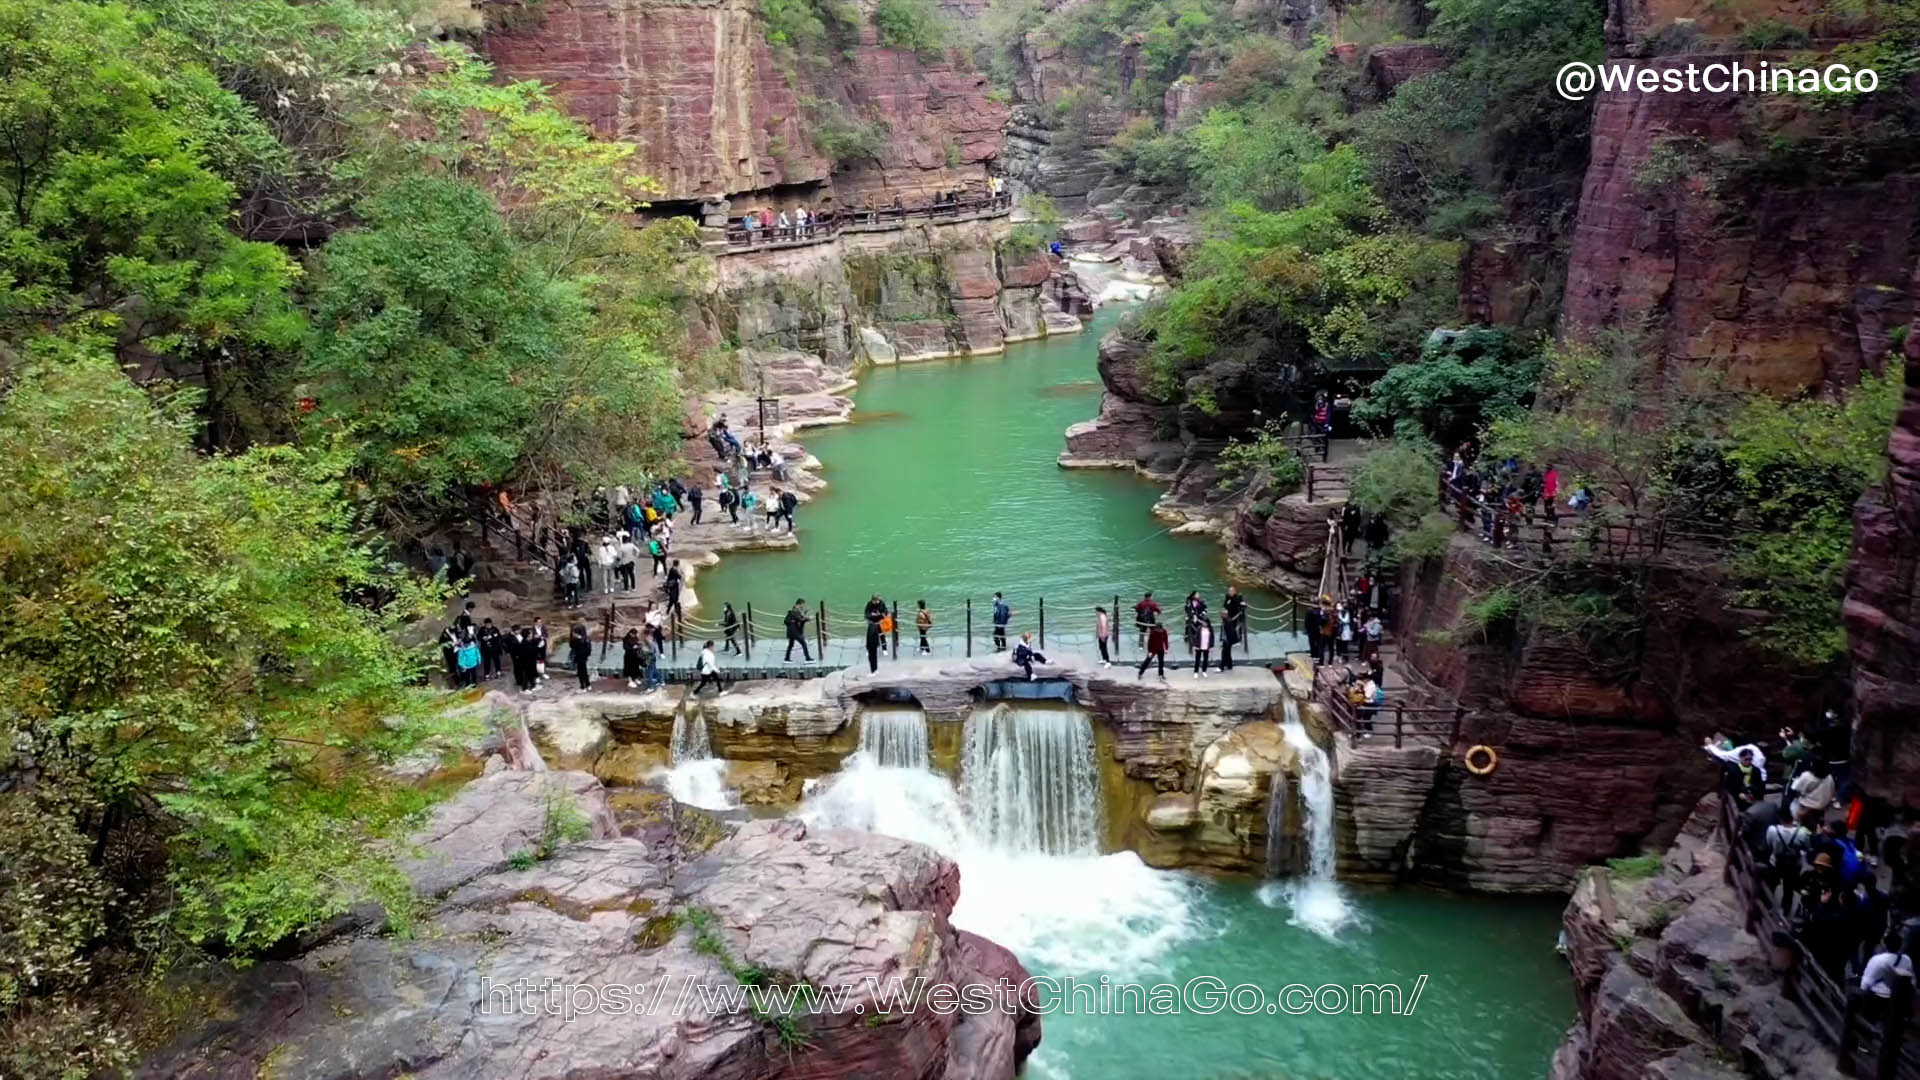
(1634, 867)
(1267, 455)
(1770, 35)
(909, 24)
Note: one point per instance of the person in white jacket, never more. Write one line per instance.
(709, 669)
(608, 557)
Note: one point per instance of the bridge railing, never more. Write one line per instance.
(1598, 534)
(830, 223)
(1831, 1008)
(1398, 716)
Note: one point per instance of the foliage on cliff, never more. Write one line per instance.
(1333, 215)
(1772, 483)
(201, 689)
(278, 277)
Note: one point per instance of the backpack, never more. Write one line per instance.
(886, 624)
(1850, 866)
(469, 656)
(795, 622)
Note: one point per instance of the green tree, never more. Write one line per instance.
(113, 212)
(1457, 385)
(202, 680)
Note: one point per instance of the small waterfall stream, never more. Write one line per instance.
(1314, 898)
(696, 778)
(1279, 815)
(1028, 780)
(895, 737)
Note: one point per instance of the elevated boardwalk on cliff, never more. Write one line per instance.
(825, 229)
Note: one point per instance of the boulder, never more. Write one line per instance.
(554, 970)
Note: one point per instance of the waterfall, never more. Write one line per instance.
(1028, 780)
(1079, 913)
(1315, 899)
(690, 741)
(697, 778)
(1277, 815)
(895, 738)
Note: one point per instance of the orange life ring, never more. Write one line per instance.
(1492, 760)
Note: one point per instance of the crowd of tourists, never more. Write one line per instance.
(801, 221)
(475, 652)
(1849, 884)
(1507, 494)
(1199, 634)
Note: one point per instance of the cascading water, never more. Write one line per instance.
(1027, 841)
(1028, 780)
(1315, 899)
(690, 741)
(895, 737)
(1278, 804)
(697, 778)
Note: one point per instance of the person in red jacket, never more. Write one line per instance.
(1156, 650)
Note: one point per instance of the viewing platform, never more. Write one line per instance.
(735, 239)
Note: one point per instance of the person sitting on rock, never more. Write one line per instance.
(1024, 656)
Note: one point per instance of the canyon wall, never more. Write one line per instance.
(1882, 612)
(879, 298)
(1598, 738)
(1728, 229)
(716, 111)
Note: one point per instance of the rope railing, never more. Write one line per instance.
(836, 635)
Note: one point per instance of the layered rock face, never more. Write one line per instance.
(1882, 613)
(1669, 982)
(1185, 767)
(1599, 744)
(880, 298)
(513, 968)
(1790, 284)
(714, 111)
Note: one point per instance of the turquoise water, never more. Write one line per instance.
(1495, 1002)
(945, 488)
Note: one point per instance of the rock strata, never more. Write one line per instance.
(511, 968)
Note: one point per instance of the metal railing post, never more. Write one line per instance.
(969, 626)
(1399, 722)
(748, 632)
(1043, 622)
(820, 630)
(896, 629)
(1113, 626)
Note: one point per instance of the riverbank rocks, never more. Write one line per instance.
(1668, 981)
(511, 970)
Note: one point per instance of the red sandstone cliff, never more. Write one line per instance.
(715, 111)
(1882, 612)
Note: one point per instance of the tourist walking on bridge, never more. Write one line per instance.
(570, 583)
(1102, 627)
(709, 670)
(607, 556)
(923, 622)
(797, 630)
(1156, 651)
(730, 625)
(630, 664)
(1002, 614)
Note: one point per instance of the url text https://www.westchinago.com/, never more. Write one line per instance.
(1204, 995)
(1577, 80)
